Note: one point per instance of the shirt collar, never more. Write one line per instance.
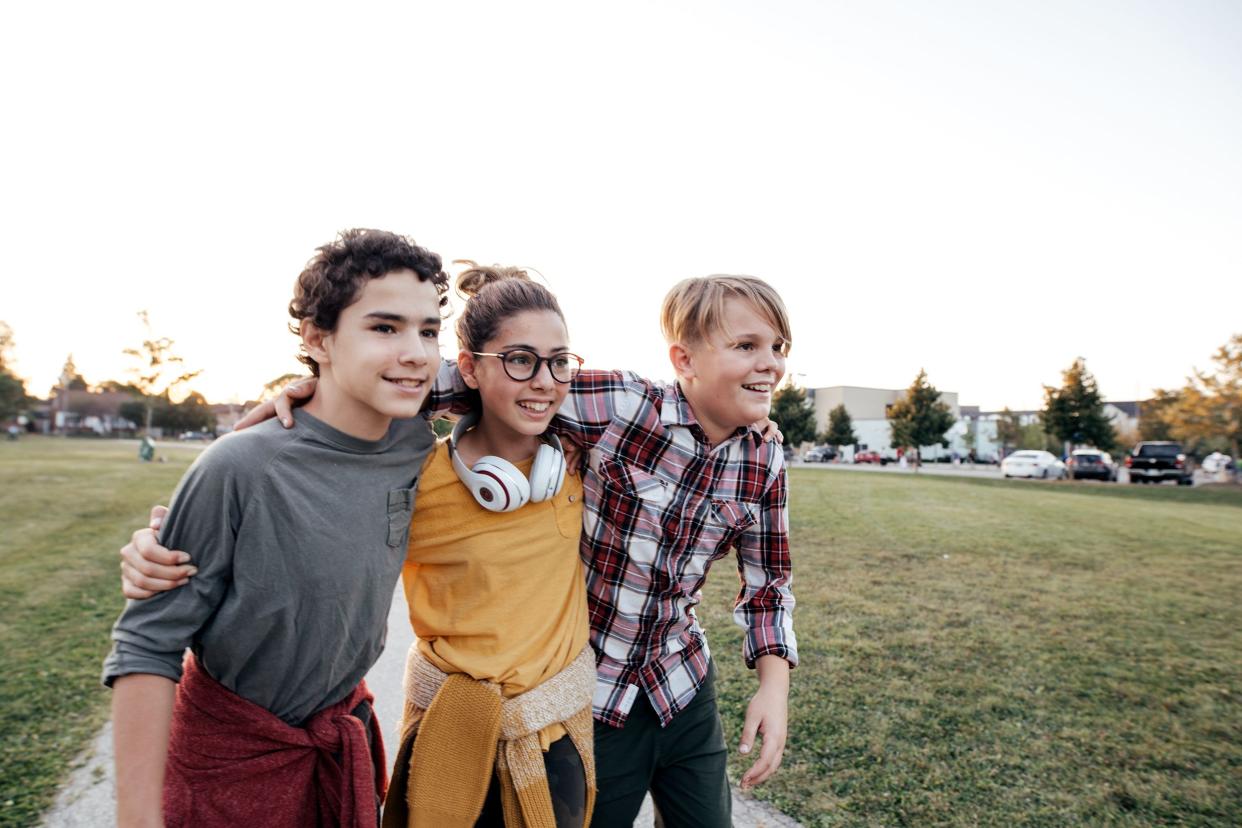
(676, 411)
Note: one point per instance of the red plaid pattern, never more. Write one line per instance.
(661, 506)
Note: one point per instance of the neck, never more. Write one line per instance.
(490, 438)
(346, 414)
(716, 433)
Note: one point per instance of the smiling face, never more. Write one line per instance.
(515, 411)
(380, 361)
(729, 378)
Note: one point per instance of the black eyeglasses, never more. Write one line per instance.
(521, 364)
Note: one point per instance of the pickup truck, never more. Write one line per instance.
(1156, 462)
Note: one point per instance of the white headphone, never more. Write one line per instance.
(497, 484)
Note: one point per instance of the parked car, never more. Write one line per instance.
(1157, 461)
(1091, 464)
(822, 454)
(869, 457)
(1032, 463)
(203, 436)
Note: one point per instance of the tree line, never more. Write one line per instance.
(1204, 415)
(156, 373)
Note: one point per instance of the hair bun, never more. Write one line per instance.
(476, 276)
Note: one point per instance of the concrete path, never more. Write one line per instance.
(88, 799)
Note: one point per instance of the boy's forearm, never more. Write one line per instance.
(773, 674)
(142, 708)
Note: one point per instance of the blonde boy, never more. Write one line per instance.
(678, 477)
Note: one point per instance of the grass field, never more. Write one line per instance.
(66, 506)
(974, 652)
(1007, 653)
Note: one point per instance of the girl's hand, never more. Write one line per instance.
(770, 431)
(147, 567)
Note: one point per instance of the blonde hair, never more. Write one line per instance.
(694, 309)
(493, 293)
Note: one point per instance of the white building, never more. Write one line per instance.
(868, 409)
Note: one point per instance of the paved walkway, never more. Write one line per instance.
(88, 799)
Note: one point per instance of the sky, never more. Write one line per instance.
(984, 190)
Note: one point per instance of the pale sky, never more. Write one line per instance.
(982, 189)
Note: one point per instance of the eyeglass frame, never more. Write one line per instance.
(539, 363)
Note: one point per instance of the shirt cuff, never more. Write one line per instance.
(124, 662)
(752, 653)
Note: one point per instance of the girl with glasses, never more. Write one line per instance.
(495, 586)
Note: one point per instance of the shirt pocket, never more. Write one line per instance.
(632, 499)
(729, 519)
(400, 510)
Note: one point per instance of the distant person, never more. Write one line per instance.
(13, 431)
(299, 537)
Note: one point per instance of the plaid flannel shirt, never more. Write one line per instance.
(661, 505)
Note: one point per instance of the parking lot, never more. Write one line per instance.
(979, 470)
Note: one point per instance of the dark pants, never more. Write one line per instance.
(566, 783)
(683, 765)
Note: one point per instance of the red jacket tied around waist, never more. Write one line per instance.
(230, 761)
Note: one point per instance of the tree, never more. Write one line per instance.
(191, 414)
(13, 397)
(159, 369)
(1074, 413)
(919, 418)
(70, 379)
(793, 414)
(840, 429)
(1209, 407)
(274, 387)
(1154, 415)
(1033, 436)
(118, 387)
(1008, 430)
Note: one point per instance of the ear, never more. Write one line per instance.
(682, 359)
(314, 340)
(466, 367)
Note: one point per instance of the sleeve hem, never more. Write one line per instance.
(783, 651)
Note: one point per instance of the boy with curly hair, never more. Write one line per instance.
(299, 538)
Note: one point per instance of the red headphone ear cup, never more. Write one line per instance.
(498, 485)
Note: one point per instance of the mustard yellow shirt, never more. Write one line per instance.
(499, 596)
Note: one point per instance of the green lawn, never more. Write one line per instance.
(974, 652)
(66, 506)
(1005, 653)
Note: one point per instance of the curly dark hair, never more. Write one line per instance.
(331, 280)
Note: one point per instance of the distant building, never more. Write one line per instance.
(1124, 416)
(227, 414)
(868, 410)
(987, 447)
(76, 411)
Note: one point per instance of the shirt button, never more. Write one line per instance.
(572, 498)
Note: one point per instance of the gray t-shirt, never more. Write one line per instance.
(299, 537)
